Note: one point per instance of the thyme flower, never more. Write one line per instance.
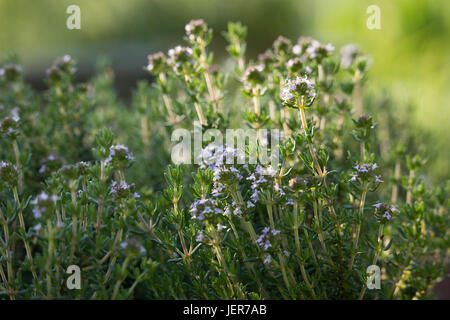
(197, 31)
(298, 90)
(44, 205)
(181, 60)
(119, 157)
(385, 212)
(157, 63)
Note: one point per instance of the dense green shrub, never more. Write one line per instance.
(347, 192)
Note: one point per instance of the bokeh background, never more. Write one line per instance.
(411, 52)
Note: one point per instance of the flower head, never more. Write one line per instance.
(50, 164)
(267, 238)
(299, 90)
(203, 209)
(64, 66)
(365, 173)
(123, 190)
(119, 157)
(365, 121)
(9, 127)
(157, 63)
(181, 59)
(44, 205)
(319, 51)
(348, 55)
(294, 65)
(254, 76)
(11, 72)
(197, 31)
(385, 212)
(266, 58)
(282, 46)
(302, 44)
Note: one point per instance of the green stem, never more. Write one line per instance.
(19, 166)
(297, 245)
(121, 278)
(375, 258)
(358, 227)
(9, 266)
(284, 273)
(22, 226)
(269, 211)
(221, 259)
(74, 223)
(48, 267)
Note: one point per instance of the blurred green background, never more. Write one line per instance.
(411, 52)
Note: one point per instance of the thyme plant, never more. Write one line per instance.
(88, 182)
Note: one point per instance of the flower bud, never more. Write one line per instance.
(157, 63)
(197, 31)
(119, 157)
(181, 59)
(9, 128)
(385, 212)
(11, 72)
(282, 46)
(254, 76)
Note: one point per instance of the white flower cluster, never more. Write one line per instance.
(50, 164)
(299, 88)
(385, 212)
(43, 204)
(156, 63)
(261, 178)
(204, 208)
(123, 190)
(196, 30)
(179, 57)
(119, 156)
(213, 156)
(253, 76)
(9, 125)
(318, 50)
(365, 173)
(266, 239)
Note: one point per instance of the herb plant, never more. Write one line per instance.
(86, 181)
